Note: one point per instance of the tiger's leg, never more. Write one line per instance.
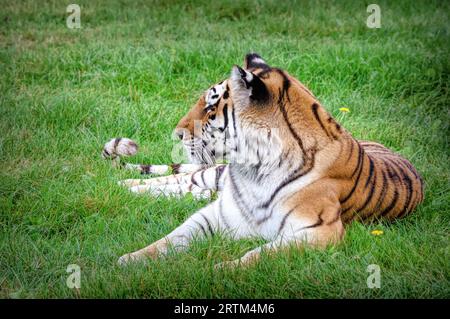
(147, 169)
(200, 225)
(200, 184)
(305, 224)
(174, 190)
(155, 181)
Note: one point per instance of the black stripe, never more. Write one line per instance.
(243, 209)
(291, 129)
(391, 205)
(411, 168)
(283, 221)
(338, 128)
(317, 224)
(193, 181)
(201, 227)
(315, 106)
(217, 169)
(116, 142)
(361, 165)
(409, 188)
(383, 192)
(145, 169)
(360, 159)
(225, 117)
(221, 214)
(192, 143)
(297, 174)
(282, 93)
(234, 121)
(265, 218)
(175, 168)
(371, 193)
(203, 177)
(338, 216)
(351, 150)
(208, 223)
(371, 169)
(403, 162)
(392, 173)
(259, 66)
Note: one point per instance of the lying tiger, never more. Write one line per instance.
(295, 175)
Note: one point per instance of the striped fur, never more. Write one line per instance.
(202, 183)
(295, 175)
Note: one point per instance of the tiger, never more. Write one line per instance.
(295, 175)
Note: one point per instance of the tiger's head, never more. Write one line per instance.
(258, 105)
(204, 130)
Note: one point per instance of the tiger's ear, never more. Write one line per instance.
(247, 87)
(254, 61)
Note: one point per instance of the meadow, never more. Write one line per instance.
(134, 68)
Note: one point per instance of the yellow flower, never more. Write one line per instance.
(376, 232)
(344, 109)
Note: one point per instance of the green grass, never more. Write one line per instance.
(134, 69)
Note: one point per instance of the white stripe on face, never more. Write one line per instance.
(214, 94)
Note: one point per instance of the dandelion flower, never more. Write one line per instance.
(344, 109)
(376, 232)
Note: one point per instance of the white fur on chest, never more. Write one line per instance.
(242, 205)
